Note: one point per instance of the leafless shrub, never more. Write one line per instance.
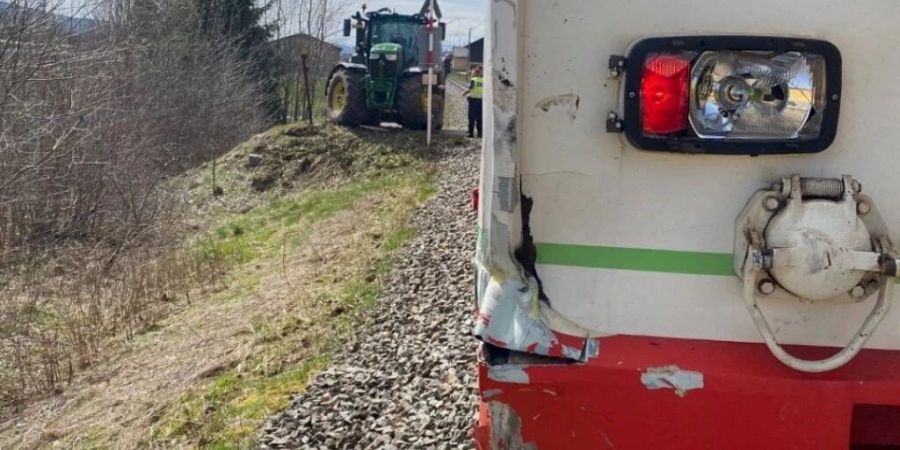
(312, 24)
(93, 122)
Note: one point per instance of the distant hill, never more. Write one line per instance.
(74, 25)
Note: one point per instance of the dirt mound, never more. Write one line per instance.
(298, 154)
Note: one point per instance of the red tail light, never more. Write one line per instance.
(475, 199)
(664, 93)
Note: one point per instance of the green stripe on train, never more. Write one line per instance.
(640, 259)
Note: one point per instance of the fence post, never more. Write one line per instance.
(309, 117)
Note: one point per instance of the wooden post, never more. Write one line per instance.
(309, 117)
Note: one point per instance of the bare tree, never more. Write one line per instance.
(318, 22)
(93, 121)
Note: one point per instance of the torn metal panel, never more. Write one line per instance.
(507, 193)
(591, 348)
(499, 219)
(505, 316)
(511, 314)
(671, 377)
(499, 153)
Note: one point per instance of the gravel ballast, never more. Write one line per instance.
(406, 378)
(456, 112)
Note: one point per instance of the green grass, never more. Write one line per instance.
(256, 233)
(226, 412)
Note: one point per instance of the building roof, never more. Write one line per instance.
(476, 50)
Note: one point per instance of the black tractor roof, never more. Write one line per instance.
(388, 14)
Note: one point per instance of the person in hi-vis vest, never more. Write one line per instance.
(474, 94)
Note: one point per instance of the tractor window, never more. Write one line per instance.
(402, 33)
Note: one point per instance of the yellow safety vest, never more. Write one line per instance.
(477, 90)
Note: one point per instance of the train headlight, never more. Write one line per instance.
(752, 95)
(732, 94)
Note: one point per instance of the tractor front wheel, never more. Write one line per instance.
(413, 102)
(346, 101)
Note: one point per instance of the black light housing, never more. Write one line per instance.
(746, 95)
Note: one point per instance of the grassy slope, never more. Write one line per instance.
(226, 412)
(304, 263)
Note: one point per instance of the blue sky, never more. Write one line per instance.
(460, 15)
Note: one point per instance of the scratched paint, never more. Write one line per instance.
(506, 429)
(508, 374)
(671, 377)
(565, 104)
(491, 393)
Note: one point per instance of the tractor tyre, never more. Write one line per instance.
(412, 102)
(346, 100)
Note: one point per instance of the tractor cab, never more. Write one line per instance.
(389, 28)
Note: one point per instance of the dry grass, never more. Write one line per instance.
(59, 308)
(55, 315)
(303, 267)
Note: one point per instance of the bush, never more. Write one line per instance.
(93, 121)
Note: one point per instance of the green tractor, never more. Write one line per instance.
(387, 77)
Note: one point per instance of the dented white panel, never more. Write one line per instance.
(592, 188)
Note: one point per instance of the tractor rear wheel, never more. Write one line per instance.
(346, 100)
(413, 101)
